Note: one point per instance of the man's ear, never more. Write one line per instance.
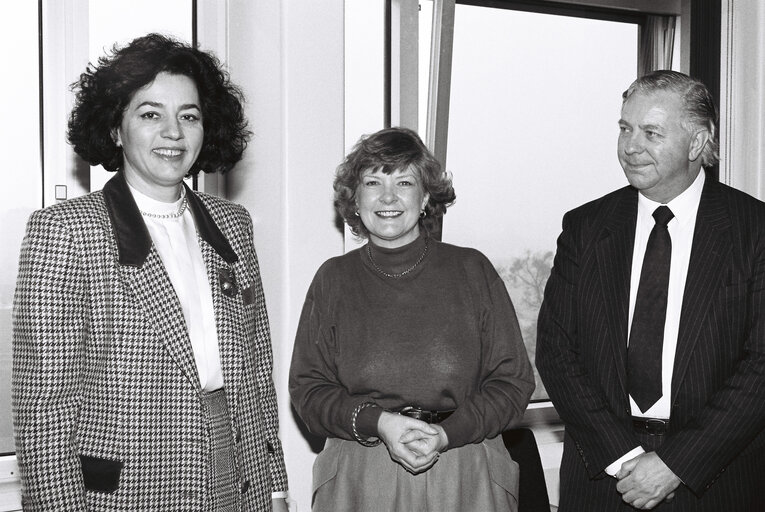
(698, 141)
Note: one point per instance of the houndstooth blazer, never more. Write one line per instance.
(106, 398)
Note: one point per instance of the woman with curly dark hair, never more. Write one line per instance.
(408, 355)
(141, 351)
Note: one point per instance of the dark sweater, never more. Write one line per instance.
(442, 337)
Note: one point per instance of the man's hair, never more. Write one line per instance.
(700, 109)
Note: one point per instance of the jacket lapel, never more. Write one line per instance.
(614, 257)
(155, 292)
(229, 321)
(143, 270)
(710, 250)
(141, 267)
(222, 268)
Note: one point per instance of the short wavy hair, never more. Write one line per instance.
(700, 109)
(390, 150)
(104, 91)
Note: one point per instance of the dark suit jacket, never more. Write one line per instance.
(106, 397)
(716, 440)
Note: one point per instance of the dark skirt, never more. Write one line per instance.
(477, 477)
(223, 491)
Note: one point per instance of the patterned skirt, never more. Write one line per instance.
(223, 491)
(348, 477)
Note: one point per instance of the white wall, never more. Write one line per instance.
(288, 57)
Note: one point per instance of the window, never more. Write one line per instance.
(532, 134)
(21, 192)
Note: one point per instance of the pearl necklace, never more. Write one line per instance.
(401, 274)
(173, 215)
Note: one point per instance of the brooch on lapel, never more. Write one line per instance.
(227, 282)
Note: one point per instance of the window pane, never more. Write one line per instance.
(535, 100)
(21, 190)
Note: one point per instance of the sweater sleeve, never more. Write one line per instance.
(321, 401)
(506, 380)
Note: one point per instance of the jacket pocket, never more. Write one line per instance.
(100, 475)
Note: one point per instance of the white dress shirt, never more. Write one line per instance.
(681, 228)
(176, 242)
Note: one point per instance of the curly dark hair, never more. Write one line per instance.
(390, 150)
(104, 91)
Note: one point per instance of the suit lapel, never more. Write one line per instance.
(141, 267)
(710, 250)
(614, 256)
(155, 293)
(228, 318)
(218, 257)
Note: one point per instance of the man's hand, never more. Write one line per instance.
(418, 458)
(646, 481)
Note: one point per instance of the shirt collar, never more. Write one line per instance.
(153, 206)
(132, 236)
(685, 206)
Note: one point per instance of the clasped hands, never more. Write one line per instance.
(413, 444)
(646, 481)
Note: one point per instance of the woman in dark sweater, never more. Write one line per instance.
(408, 356)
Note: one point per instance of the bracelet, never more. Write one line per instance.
(364, 442)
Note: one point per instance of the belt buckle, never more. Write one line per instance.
(656, 426)
(416, 413)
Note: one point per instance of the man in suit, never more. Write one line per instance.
(651, 337)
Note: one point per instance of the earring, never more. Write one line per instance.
(356, 213)
(423, 213)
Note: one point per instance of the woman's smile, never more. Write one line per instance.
(168, 152)
(389, 213)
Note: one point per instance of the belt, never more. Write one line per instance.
(423, 415)
(651, 426)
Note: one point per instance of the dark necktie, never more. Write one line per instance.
(647, 333)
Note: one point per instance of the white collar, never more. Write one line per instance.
(683, 206)
(150, 205)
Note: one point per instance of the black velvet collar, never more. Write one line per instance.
(133, 239)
